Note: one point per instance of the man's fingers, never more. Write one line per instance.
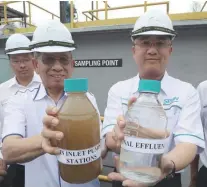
(120, 118)
(52, 111)
(50, 134)
(116, 162)
(118, 129)
(50, 121)
(131, 101)
(132, 183)
(49, 149)
(116, 176)
(118, 133)
(121, 122)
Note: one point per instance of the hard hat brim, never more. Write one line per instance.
(53, 49)
(154, 33)
(19, 52)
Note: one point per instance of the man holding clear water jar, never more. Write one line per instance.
(152, 46)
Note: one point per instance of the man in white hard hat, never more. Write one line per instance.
(52, 45)
(152, 46)
(199, 175)
(25, 80)
(152, 38)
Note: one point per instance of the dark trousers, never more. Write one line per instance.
(174, 182)
(15, 176)
(202, 177)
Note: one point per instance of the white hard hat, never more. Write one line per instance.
(154, 22)
(52, 36)
(17, 44)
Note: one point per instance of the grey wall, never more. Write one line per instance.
(5, 70)
(109, 45)
(188, 61)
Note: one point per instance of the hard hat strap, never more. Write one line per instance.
(52, 43)
(17, 49)
(154, 28)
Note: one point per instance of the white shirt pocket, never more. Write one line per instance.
(173, 113)
(124, 105)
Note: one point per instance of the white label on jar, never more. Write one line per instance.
(141, 145)
(79, 157)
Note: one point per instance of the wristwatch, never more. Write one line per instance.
(172, 173)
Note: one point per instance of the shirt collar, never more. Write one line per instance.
(165, 84)
(42, 93)
(13, 82)
(165, 87)
(36, 78)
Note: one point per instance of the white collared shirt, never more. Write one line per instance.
(28, 110)
(202, 90)
(12, 87)
(180, 101)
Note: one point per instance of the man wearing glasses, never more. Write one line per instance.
(25, 80)
(52, 45)
(152, 46)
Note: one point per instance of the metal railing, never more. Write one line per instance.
(6, 20)
(97, 13)
(203, 6)
(107, 8)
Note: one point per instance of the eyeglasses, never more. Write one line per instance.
(147, 44)
(25, 61)
(50, 60)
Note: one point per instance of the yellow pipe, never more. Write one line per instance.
(168, 7)
(71, 14)
(9, 2)
(106, 10)
(126, 7)
(18, 21)
(97, 9)
(30, 13)
(5, 14)
(118, 21)
(103, 178)
(12, 21)
(145, 6)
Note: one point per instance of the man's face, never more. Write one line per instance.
(151, 53)
(22, 65)
(53, 68)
